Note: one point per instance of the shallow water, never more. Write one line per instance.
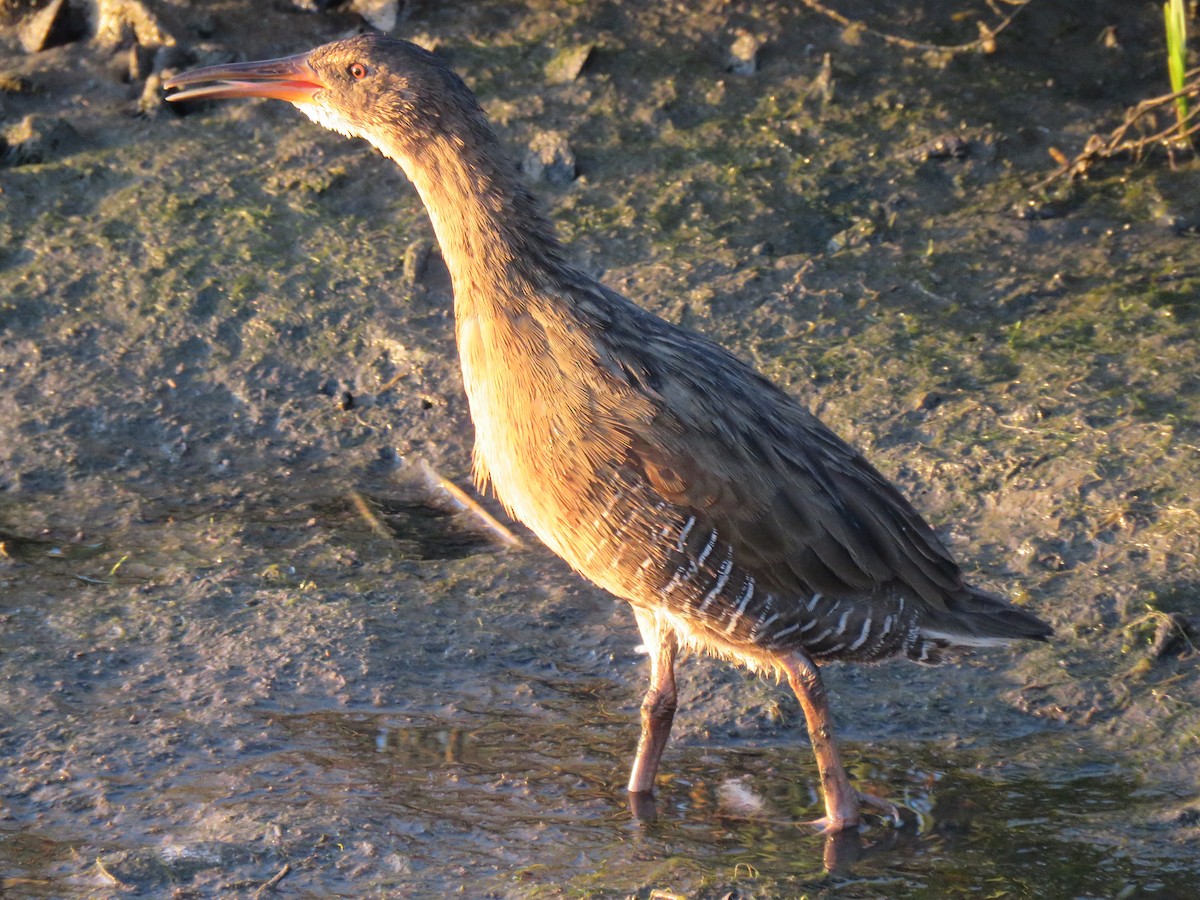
(373, 804)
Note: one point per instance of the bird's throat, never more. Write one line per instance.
(494, 239)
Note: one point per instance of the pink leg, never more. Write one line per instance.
(842, 802)
(658, 707)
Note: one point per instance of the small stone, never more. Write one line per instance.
(1174, 634)
(416, 257)
(857, 235)
(550, 159)
(118, 22)
(567, 64)
(14, 84)
(381, 14)
(946, 146)
(425, 41)
(37, 138)
(735, 795)
(152, 101)
(313, 6)
(743, 54)
(56, 24)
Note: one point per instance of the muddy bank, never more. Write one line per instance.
(217, 341)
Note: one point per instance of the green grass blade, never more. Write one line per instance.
(1176, 25)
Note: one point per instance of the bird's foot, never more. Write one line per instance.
(846, 815)
(884, 808)
(643, 807)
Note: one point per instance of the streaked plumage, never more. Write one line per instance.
(657, 464)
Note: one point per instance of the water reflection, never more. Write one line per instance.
(530, 802)
(549, 797)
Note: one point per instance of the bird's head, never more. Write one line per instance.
(389, 91)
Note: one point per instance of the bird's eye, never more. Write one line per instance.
(357, 71)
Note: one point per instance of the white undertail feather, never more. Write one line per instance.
(958, 639)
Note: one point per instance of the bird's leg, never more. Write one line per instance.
(842, 802)
(658, 707)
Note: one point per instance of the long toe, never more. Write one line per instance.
(885, 808)
(847, 819)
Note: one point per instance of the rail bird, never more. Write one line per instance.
(657, 464)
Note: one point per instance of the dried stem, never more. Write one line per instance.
(463, 500)
(1143, 120)
(363, 508)
(986, 42)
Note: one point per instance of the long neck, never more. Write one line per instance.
(495, 240)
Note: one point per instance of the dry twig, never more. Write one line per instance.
(460, 497)
(374, 522)
(1148, 132)
(986, 42)
(275, 879)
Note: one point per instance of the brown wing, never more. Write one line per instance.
(802, 509)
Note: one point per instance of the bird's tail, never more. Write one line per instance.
(978, 619)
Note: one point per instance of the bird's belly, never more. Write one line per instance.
(535, 439)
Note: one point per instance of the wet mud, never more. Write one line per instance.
(245, 648)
